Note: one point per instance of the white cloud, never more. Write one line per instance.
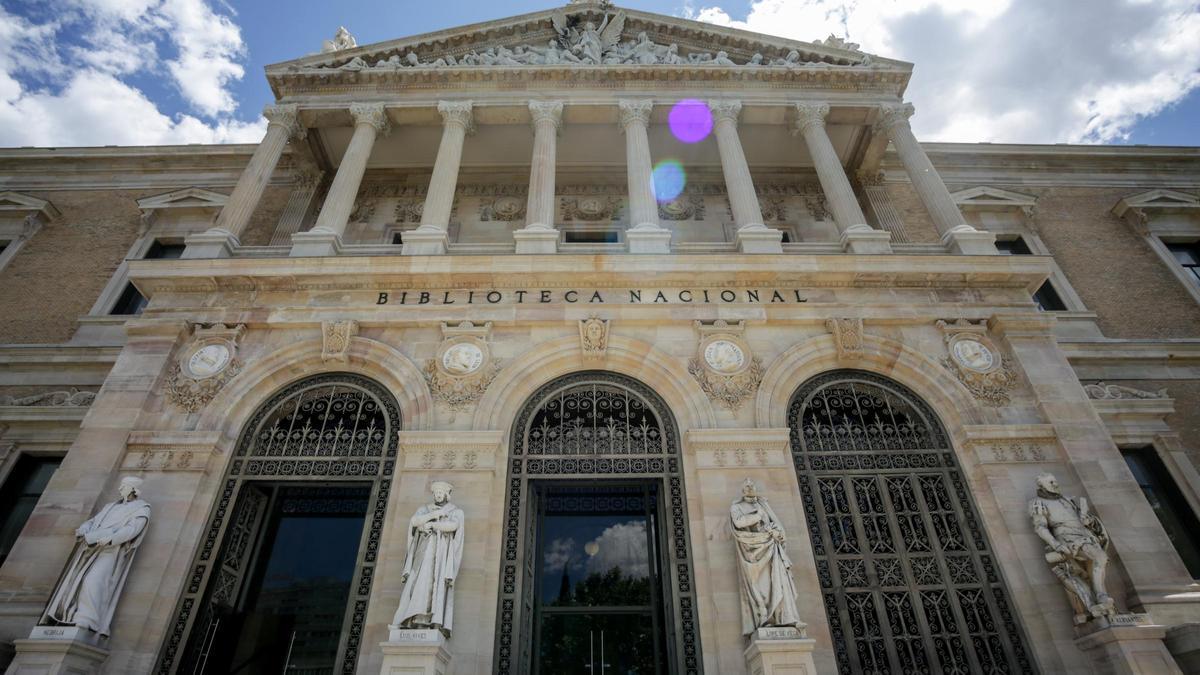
(622, 546)
(61, 81)
(1014, 71)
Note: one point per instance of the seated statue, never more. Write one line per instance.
(1076, 548)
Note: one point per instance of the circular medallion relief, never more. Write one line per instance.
(724, 356)
(591, 206)
(462, 359)
(973, 354)
(678, 208)
(507, 207)
(208, 360)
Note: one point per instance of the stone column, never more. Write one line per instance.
(430, 238)
(283, 124)
(752, 235)
(325, 238)
(539, 235)
(644, 235)
(957, 235)
(857, 235)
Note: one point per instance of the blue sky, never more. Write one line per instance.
(95, 72)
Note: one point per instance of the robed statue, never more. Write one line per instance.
(87, 594)
(435, 546)
(1076, 548)
(764, 569)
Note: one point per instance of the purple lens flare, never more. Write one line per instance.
(668, 179)
(690, 120)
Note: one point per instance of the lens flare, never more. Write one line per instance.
(690, 120)
(668, 179)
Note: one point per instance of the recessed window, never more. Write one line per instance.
(397, 238)
(3, 245)
(591, 237)
(20, 494)
(1015, 246)
(1046, 297)
(1187, 254)
(131, 301)
(787, 238)
(1168, 502)
(159, 250)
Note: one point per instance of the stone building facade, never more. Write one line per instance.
(595, 268)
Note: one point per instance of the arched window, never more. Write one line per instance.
(907, 574)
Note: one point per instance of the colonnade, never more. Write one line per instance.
(645, 234)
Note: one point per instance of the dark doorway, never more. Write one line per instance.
(599, 597)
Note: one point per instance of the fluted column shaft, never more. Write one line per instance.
(539, 209)
(643, 205)
(370, 120)
(439, 200)
(810, 123)
(925, 179)
(283, 124)
(740, 188)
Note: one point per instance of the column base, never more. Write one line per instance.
(59, 650)
(648, 240)
(214, 243)
(316, 243)
(759, 239)
(1128, 650)
(862, 239)
(780, 651)
(534, 240)
(415, 652)
(430, 241)
(966, 240)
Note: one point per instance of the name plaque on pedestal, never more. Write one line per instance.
(780, 633)
(69, 633)
(415, 635)
(1130, 620)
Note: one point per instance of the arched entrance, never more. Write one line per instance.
(907, 574)
(283, 574)
(595, 570)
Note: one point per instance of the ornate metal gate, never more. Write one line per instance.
(907, 574)
(330, 430)
(593, 425)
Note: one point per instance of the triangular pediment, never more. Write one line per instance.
(587, 36)
(992, 198)
(1157, 199)
(187, 198)
(15, 202)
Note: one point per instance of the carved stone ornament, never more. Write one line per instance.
(342, 39)
(503, 209)
(848, 336)
(977, 362)
(335, 339)
(463, 367)
(724, 366)
(67, 399)
(204, 366)
(1103, 391)
(593, 337)
(591, 208)
(683, 207)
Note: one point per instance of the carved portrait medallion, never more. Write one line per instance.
(462, 358)
(209, 360)
(972, 354)
(724, 356)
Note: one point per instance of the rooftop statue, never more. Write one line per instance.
(342, 39)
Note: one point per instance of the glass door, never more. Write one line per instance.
(599, 605)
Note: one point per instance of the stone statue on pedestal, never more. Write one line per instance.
(1076, 546)
(435, 546)
(764, 569)
(87, 594)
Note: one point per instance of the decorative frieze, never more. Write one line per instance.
(1103, 391)
(450, 450)
(169, 450)
(977, 362)
(591, 208)
(69, 398)
(738, 448)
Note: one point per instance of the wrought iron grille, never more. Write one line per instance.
(593, 425)
(907, 575)
(325, 430)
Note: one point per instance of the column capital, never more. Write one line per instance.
(372, 114)
(725, 110)
(634, 111)
(286, 116)
(810, 113)
(457, 112)
(893, 115)
(546, 111)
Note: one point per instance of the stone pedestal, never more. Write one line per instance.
(780, 651)
(648, 240)
(415, 652)
(966, 240)
(431, 241)
(316, 243)
(214, 243)
(1183, 641)
(59, 650)
(862, 239)
(1128, 650)
(534, 240)
(759, 240)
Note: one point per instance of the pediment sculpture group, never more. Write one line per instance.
(586, 44)
(87, 593)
